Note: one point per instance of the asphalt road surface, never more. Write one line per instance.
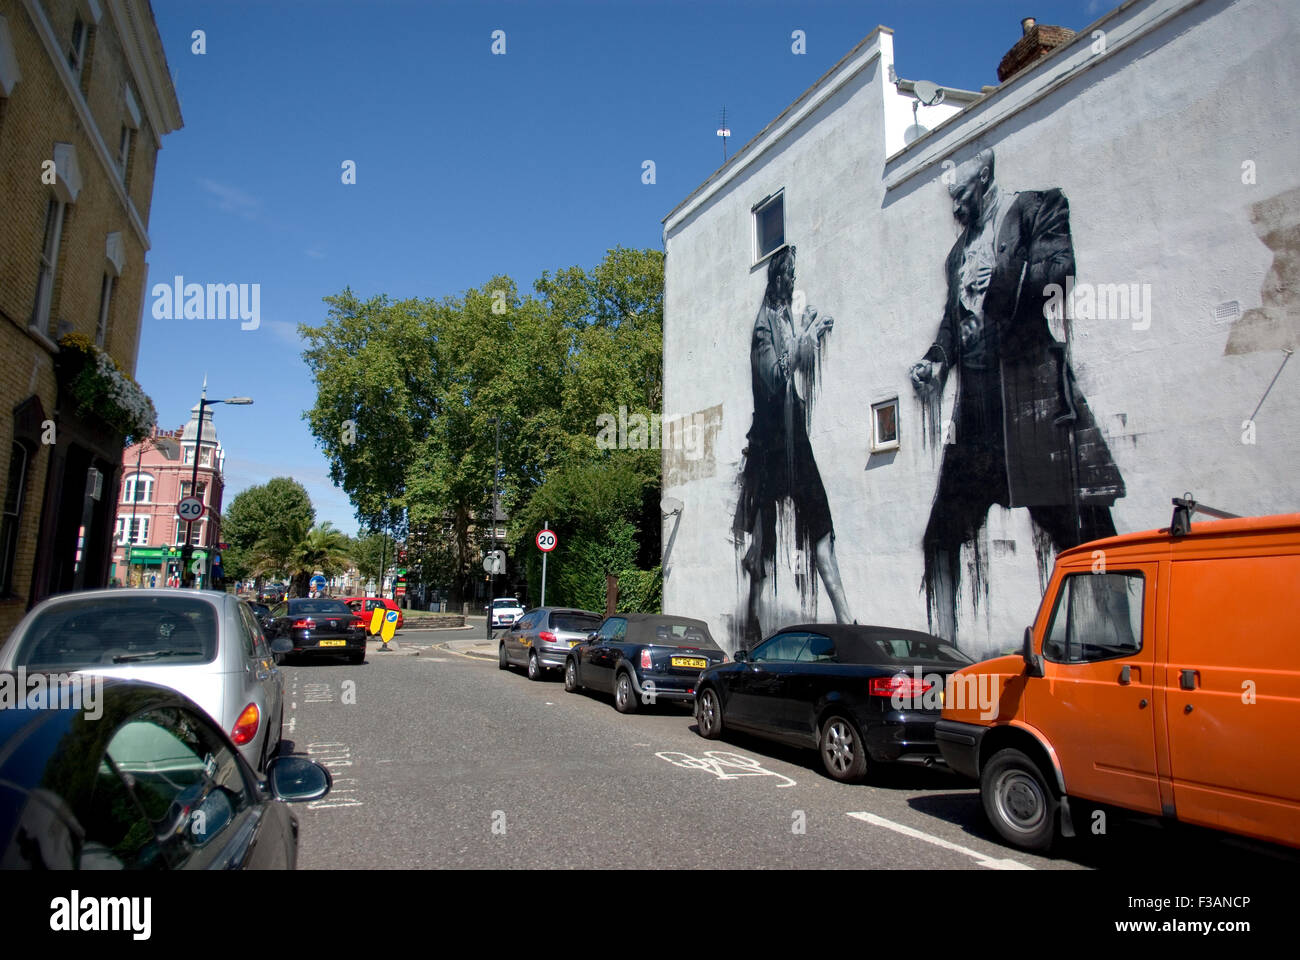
(441, 760)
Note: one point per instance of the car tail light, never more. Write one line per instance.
(646, 662)
(900, 684)
(357, 624)
(304, 625)
(547, 636)
(246, 726)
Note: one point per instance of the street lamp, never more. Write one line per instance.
(187, 551)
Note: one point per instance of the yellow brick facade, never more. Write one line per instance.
(47, 106)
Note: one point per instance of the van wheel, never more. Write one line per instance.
(1018, 800)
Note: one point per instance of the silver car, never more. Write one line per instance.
(204, 644)
(541, 638)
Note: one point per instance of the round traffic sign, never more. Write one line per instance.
(547, 540)
(190, 509)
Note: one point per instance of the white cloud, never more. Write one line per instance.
(231, 199)
(288, 332)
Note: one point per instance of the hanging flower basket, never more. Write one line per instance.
(98, 387)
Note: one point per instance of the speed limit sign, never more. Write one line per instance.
(547, 540)
(190, 509)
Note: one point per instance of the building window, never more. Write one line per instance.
(54, 216)
(884, 426)
(14, 495)
(196, 535)
(77, 51)
(105, 301)
(137, 488)
(124, 151)
(205, 457)
(769, 225)
(203, 490)
(139, 527)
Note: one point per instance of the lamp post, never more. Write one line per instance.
(187, 550)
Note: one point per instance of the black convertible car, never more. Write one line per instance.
(855, 693)
(642, 657)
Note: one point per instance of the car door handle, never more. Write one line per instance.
(1187, 680)
(1129, 673)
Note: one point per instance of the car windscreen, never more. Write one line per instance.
(907, 647)
(333, 608)
(497, 604)
(111, 631)
(575, 622)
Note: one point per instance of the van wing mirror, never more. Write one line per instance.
(1033, 662)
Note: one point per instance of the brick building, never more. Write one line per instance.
(156, 476)
(85, 99)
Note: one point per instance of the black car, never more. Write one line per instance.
(857, 694)
(643, 657)
(136, 776)
(318, 626)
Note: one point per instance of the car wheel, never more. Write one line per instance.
(624, 694)
(571, 676)
(708, 714)
(843, 753)
(534, 668)
(1018, 800)
(502, 662)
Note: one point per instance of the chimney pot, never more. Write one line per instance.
(1027, 24)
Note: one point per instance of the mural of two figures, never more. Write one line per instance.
(1021, 433)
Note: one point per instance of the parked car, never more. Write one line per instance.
(643, 655)
(365, 606)
(505, 611)
(856, 694)
(147, 782)
(318, 626)
(205, 644)
(1160, 675)
(542, 638)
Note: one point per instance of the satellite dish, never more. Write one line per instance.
(928, 93)
(671, 505)
(914, 131)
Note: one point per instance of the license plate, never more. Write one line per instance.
(574, 643)
(695, 663)
(333, 643)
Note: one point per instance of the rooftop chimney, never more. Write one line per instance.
(1036, 43)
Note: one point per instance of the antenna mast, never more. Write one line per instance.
(723, 132)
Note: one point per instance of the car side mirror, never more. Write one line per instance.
(297, 779)
(741, 655)
(1033, 662)
(282, 645)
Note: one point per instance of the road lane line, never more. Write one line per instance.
(981, 859)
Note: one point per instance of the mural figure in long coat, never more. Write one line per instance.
(778, 459)
(1023, 433)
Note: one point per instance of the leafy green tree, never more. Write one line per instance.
(302, 553)
(267, 511)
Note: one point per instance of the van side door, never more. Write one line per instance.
(1094, 702)
(1233, 692)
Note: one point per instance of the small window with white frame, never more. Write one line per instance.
(769, 225)
(884, 425)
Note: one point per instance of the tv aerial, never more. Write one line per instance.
(724, 133)
(929, 94)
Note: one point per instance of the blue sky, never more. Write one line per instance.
(467, 164)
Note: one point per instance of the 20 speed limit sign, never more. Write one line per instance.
(547, 540)
(190, 509)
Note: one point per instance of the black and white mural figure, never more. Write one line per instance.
(779, 468)
(1022, 434)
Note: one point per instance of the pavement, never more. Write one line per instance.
(466, 641)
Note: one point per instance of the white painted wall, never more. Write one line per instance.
(1147, 140)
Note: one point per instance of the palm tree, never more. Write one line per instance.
(301, 552)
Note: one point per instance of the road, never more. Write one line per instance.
(442, 760)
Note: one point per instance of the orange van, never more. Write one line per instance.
(1162, 674)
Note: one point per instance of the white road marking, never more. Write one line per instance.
(332, 754)
(293, 722)
(715, 761)
(981, 859)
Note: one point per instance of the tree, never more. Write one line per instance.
(302, 553)
(269, 511)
